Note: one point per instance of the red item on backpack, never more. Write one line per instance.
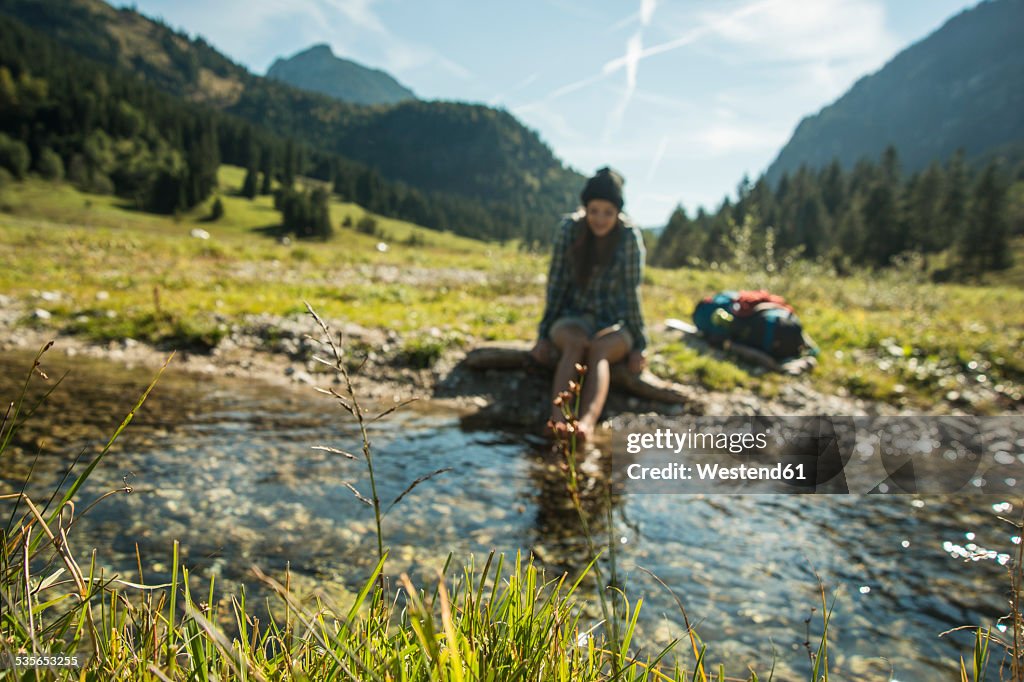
(748, 301)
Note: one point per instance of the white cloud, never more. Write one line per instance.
(398, 57)
(353, 28)
(643, 16)
(404, 56)
(398, 54)
(834, 30)
(630, 61)
(498, 99)
(779, 30)
(360, 13)
(647, 8)
(659, 154)
(654, 207)
(242, 29)
(720, 139)
(623, 23)
(724, 113)
(705, 27)
(659, 197)
(713, 140)
(453, 67)
(560, 92)
(634, 48)
(678, 104)
(592, 154)
(541, 116)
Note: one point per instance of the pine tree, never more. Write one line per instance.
(14, 156)
(368, 191)
(833, 188)
(320, 217)
(881, 219)
(813, 225)
(808, 227)
(679, 243)
(851, 237)
(717, 230)
(763, 201)
(267, 169)
(954, 204)
(924, 215)
(345, 187)
(891, 169)
(249, 189)
(986, 242)
(743, 191)
(288, 170)
(249, 152)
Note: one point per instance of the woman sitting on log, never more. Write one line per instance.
(592, 316)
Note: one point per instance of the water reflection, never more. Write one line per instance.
(228, 468)
(558, 530)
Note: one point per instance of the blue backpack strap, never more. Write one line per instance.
(768, 341)
(706, 308)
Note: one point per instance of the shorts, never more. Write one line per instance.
(588, 323)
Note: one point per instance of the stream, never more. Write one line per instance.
(228, 468)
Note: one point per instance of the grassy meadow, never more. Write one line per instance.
(891, 336)
(106, 272)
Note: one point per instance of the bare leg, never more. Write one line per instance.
(573, 343)
(605, 350)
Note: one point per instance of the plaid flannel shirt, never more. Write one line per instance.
(612, 295)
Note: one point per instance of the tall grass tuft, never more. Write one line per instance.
(48, 597)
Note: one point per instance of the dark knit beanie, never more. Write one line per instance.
(607, 185)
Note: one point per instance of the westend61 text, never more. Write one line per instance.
(715, 472)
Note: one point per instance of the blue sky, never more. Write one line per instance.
(682, 97)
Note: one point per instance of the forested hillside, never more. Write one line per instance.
(962, 87)
(442, 153)
(871, 216)
(64, 116)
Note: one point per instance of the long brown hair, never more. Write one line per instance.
(589, 254)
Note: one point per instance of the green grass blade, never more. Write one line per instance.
(96, 460)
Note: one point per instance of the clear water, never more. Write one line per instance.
(227, 467)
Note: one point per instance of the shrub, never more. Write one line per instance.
(367, 225)
(14, 156)
(306, 215)
(423, 352)
(50, 165)
(217, 209)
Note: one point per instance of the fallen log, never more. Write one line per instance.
(643, 385)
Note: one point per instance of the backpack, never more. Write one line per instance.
(753, 318)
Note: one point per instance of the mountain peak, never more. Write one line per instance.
(318, 69)
(959, 88)
(318, 50)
